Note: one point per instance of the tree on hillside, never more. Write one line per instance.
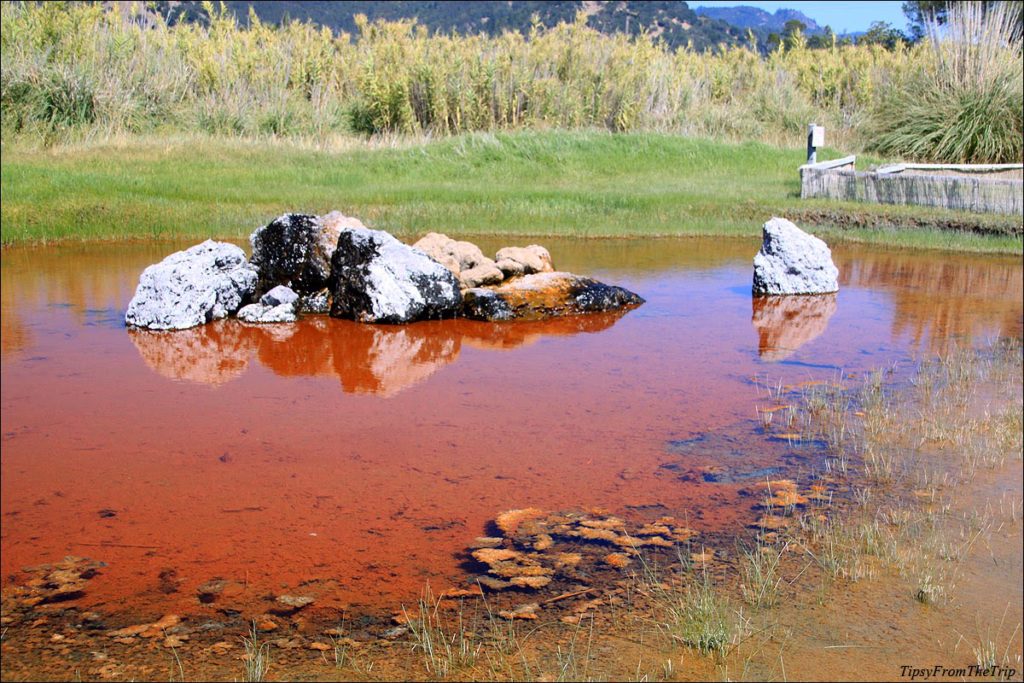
(921, 12)
(792, 31)
(882, 33)
(822, 40)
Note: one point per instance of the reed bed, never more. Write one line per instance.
(75, 70)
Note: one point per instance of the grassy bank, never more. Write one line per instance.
(587, 184)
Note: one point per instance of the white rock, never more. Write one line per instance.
(261, 313)
(792, 261)
(206, 282)
(377, 279)
(279, 295)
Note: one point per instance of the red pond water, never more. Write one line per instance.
(355, 463)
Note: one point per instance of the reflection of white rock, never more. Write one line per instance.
(399, 360)
(785, 323)
(210, 354)
(367, 359)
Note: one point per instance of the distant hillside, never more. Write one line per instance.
(744, 16)
(673, 21)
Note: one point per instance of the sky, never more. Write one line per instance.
(841, 16)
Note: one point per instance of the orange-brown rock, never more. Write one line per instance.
(543, 542)
(545, 295)
(128, 631)
(473, 592)
(495, 584)
(609, 523)
(596, 534)
(495, 555)
(265, 623)
(567, 560)
(176, 640)
(628, 541)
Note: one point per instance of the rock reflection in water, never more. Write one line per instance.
(368, 359)
(208, 354)
(785, 323)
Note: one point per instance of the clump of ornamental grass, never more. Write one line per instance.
(962, 100)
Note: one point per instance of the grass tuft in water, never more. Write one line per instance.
(256, 658)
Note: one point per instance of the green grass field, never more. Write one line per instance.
(586, 184)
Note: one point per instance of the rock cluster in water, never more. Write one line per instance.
(537, 547)
(792, 261)
(333, 263)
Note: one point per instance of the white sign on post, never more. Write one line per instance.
(818, 136)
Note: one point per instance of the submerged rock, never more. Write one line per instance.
(544, 295)
(293, 603)
(532, 551)
(792, 261)
(51, 583)
(206, 282)
(295, 250)
(377, 279)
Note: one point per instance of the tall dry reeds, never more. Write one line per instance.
(964, 101)
(76, 70)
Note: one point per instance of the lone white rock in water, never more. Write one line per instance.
(206, 282)
(792, 261)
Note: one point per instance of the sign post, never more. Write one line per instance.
(815, 139)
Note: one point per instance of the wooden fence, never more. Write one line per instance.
(996, 188)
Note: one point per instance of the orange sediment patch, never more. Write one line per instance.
(617, 560)
(771, 522)
(784, 498)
